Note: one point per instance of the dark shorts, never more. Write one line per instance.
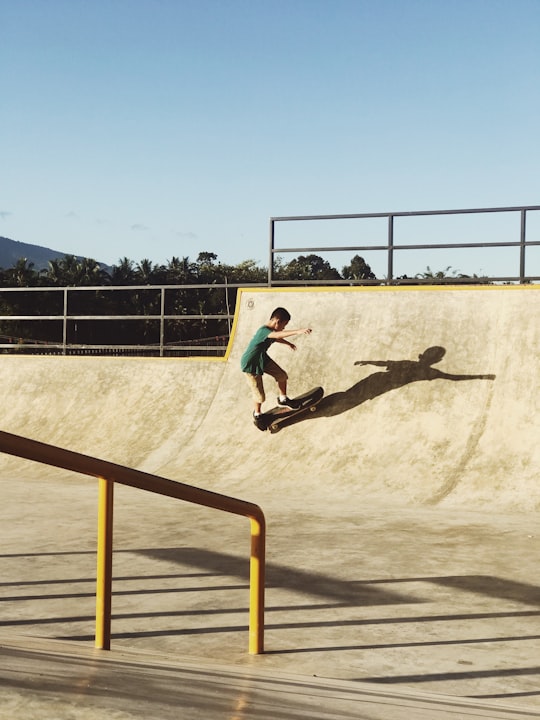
(256, 381)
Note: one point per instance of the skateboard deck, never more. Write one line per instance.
(278, 416)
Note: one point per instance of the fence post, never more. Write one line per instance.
(162, 323)
(522, 240)
(256, 585)
(104, 564)
(271, 255)
(64, 325)
(390, 248)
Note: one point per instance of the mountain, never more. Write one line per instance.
(12, 250)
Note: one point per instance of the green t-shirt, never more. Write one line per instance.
(255, 357)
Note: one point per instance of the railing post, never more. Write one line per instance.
(104, 564)
(390, 269)
(522, 241)
(162, 322)
(64, 323)
(271, 254)
(256, 586)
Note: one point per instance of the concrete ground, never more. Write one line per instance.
(402, 521)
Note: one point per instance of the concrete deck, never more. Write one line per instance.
(403, 537)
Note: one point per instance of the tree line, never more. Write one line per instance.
(141, 302)
(70, 271)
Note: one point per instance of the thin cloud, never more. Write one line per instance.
(138, 227)
(5, 214)
(187, 235)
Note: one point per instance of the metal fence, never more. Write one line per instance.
(510, 229)
(65, 324)
(512, 232)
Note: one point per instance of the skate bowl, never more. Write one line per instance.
(456, 428)
(402, 513)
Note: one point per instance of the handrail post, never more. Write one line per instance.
(256, 586)
(162, 323)
(390, 267)
(522, 245)
(271, 255)
(64, 323)
(108, 474)
(104, 564)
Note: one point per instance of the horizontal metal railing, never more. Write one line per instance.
(109, 473)
(391, 247)
(165, 344)
(163, 347)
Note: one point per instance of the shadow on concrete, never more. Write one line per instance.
(338, 592)
(465, 675)
(409, 644)
(336, 596)
(280, 576)
(485, 585)
(492, 587)
(398, 373)
(299, 625)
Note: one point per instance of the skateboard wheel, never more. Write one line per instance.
(274, 428)
(312, 408)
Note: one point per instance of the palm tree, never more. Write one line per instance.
(438, 276)
(22, 274)
(90, 272)
(179, 271)
(145, 272)
(123, 273)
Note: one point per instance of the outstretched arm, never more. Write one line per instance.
(448, 376)
(377, 363)
(280, 335)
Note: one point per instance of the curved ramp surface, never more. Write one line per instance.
(403, 539)
(431, 398)
(442, 408)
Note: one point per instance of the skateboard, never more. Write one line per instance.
(277, 416)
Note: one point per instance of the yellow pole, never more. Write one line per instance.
(100, 469)
(104, 564)
(256, 586)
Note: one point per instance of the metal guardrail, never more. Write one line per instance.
(213, 345)
(216, 345)
(108, 473)
(391, 247)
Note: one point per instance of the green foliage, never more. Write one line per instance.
(184, 299)
(307, 267)
(441, 276)
(429, 274)
(181, 300)
(357, 270)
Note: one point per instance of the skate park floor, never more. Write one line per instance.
(402, 522)
(387, 613)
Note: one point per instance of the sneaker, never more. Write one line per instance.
(259, 422)
(290, 403)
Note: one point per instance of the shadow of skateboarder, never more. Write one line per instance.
(397, 374)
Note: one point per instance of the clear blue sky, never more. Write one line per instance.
(160, 128)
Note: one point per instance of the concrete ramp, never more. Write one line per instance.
(431, 399)
(402, 532)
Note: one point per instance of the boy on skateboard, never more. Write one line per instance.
(256, 361)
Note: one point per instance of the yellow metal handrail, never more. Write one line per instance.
(108, 473)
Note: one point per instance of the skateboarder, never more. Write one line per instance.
(256, 361)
